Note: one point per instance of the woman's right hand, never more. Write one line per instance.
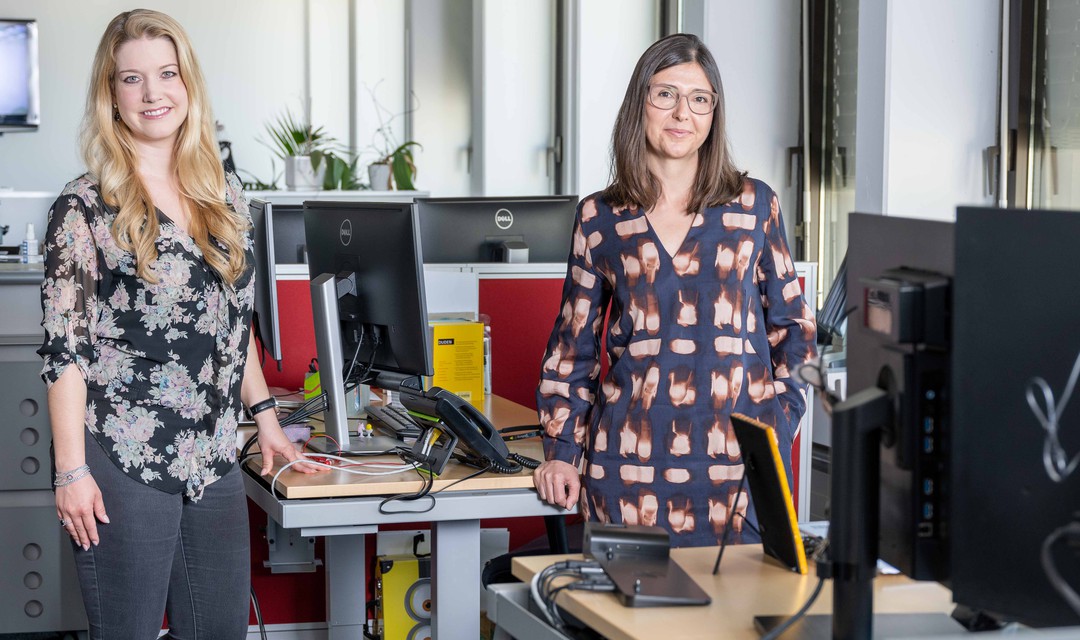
(558, 483)
(80, 506)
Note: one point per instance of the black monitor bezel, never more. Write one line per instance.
(416, 359)
(444, 246)
(266, 298)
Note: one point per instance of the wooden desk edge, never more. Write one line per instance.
(502, 413)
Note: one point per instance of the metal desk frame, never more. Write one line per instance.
(345, 522)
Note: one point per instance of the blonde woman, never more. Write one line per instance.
(147, 303)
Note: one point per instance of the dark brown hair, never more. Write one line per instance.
(718, 180)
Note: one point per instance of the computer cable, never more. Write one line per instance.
(524, 461)
(343, 464)
(258, 614)
(824, 572)
(1055, 459)
(520, 432)
(355, 355)
(428, 479)
(798, 615)
(1072, 530)
(813, 374)
(588, 575)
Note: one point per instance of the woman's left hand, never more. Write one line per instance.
(272, 441)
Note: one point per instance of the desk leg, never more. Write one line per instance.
(455, 578)
(346, 598)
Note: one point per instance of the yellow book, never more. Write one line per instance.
(458, 358)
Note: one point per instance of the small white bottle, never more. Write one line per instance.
(30, 249)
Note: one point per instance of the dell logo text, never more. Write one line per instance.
(504, 219)
(346, 232)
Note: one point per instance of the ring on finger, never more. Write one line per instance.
(64, 523)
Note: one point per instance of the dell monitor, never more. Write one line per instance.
(367, 281)
(496, 229)
(20, 108)
(267, 323)
(289, 242)
(889, 437)
(1015, 501)
(953, 456)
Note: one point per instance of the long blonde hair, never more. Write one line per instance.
(110, 155)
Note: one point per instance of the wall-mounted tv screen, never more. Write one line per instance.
(19, 86)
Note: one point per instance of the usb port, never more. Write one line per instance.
(928, 444)
(928, 511)
(926, 529)
(928, 487)
(928, 425)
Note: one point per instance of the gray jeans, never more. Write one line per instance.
(164, 554)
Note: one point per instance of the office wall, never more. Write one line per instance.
(253, 57)
(756, 46)
(606, 58)
(927, 105)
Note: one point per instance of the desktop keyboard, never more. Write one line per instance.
(393, 420)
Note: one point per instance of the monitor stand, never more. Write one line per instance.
(367, 445)
(886, 625)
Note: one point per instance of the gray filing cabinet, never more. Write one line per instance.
(38, 587)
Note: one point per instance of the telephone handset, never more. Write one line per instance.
(479, 444)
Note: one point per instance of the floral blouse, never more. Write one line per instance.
(717, 328)
(163, 363)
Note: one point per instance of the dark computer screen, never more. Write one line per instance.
(289, 239)
(266, 309)
(909, 369)
(373, 250)
(20, 96)
(464, 230)
(964, 343)
(1016, 319)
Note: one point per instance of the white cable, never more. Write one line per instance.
(535, 590)
(1055, 459)
(1060, 585)
(389, 469)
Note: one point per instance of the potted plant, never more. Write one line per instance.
(395, 170)
(394, 166)
(302, 147)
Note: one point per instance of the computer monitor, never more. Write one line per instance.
(1016, 315)
(961, 353)
(289, 242)
(832, 316)
(367, 280)
(266, 304)
(20, 95)
(889, 445)
(495, 229)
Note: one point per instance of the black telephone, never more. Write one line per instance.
(478, 443)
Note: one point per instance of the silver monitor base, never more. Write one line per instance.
(356, 444)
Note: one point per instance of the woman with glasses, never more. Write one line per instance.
(682, 266)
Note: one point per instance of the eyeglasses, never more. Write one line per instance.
(666, 97)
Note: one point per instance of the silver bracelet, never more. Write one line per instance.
(67, 477)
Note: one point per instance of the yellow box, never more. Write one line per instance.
(403, 592)
(458, 358)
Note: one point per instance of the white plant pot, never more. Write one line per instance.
(299, 176)
(379, 176)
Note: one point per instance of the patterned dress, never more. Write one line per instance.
(163, 362)
(719, 328)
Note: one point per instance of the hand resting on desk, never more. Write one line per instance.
(558, 483)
